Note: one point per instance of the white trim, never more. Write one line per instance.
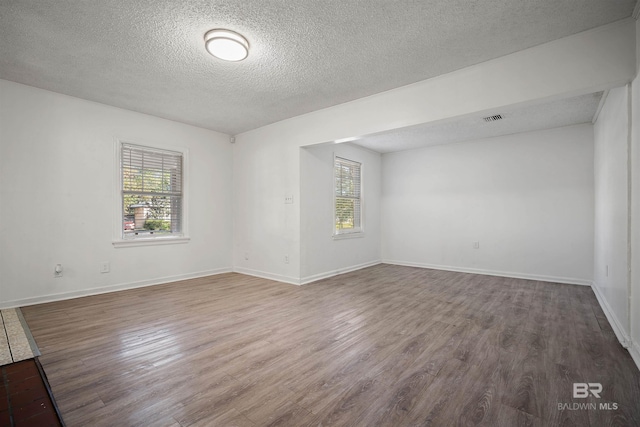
(630, 209)
(266, 275)
(327, 274)
(350, 235)
(150, 242)
(616, 325)
(107, 289)
(118, 240)
(634, 351)
(526, 276)
(303, 280)
(603, 98)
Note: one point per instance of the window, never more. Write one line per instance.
(347, 200)
(152, 192)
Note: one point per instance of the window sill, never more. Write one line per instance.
(150, 242)
(353, 235)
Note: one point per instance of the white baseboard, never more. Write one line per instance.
(320, 276)
(542, 278)
(112, 288)
(616, 325)
(266, 275)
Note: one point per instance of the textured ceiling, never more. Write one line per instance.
(515, 119)
(149, 56)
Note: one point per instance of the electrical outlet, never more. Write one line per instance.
(105, 267)
(476, 245)
(288, 199)
(57, 271)
(286, 259)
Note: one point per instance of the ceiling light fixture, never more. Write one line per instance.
(226, 45)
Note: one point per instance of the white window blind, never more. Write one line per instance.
(152, 193)
(348, 189)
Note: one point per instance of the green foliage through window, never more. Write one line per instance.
(151, 190)
(348, 204)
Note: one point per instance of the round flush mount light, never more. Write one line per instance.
(226, 45)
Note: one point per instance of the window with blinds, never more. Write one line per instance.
(152, 193)
(348, 189)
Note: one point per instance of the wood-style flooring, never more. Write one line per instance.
(383, 346)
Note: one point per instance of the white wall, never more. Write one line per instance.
(321, 255)
(265, 228)
(267, 161)
(526, 198)
(635, 207)
(57, 177)
(611, 209)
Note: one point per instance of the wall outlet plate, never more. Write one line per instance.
(105, 267)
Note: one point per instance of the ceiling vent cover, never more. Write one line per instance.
(493, 118)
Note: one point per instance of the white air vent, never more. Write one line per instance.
(493, 118)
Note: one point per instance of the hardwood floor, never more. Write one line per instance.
(387, 346)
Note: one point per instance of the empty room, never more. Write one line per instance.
(372, 213)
